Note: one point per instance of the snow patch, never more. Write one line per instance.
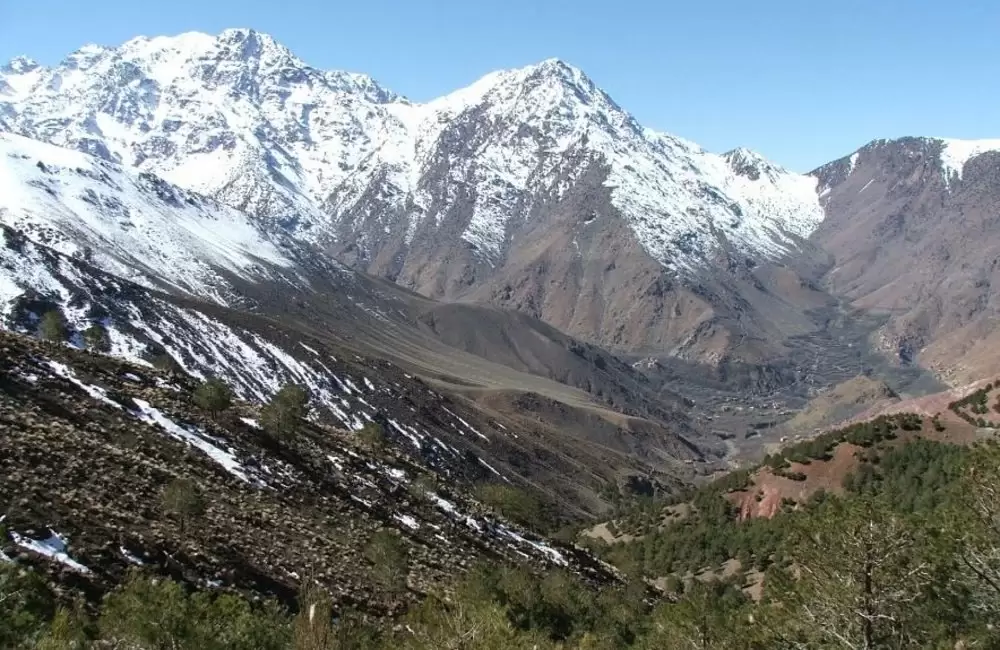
(407, 521)
(96, 392)
(53, 548)
(195, 438)
(955, 153)
(547, 550)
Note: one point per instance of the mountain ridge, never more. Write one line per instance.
(399, 138)
(931, 201)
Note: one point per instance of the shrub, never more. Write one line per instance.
(164, 362)
(96, 338)
(26, 604)
(157, 614)
(373, 435)
(515, 504)
(423, 485)
(67, 631)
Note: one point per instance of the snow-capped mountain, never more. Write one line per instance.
(911, 225)
(239, 117)
(512, 190)
(129, 223)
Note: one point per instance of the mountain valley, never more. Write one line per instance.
(515, 314)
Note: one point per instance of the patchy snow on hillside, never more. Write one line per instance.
(955, 153)
(197, 439)
(96, 392)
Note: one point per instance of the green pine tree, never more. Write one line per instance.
(283, 415)
(182, 499)
(389, 557)
(96, 338)
(53, 326)
(214, 395)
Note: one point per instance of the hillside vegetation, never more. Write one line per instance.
(902, 552)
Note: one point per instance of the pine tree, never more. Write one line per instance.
(96, 338)
(53, 326)
(388, 555)
(862, 572)
(182, 499)
(214, 396)
(285, 412)
(373, 435)
(975, 520)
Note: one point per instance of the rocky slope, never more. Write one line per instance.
(911, 224)
(88, 444)
(531, 188)
(169, 272)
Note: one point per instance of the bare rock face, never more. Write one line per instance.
(912, 226)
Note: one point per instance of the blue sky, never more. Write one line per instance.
(801, 82)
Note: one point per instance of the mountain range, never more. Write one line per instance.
(513, 309)
(531, 189)
(529, 228)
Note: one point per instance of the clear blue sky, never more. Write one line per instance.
(801, 82)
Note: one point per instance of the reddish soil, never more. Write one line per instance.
(769, 490)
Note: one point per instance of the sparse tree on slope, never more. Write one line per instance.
(53, 326)
(390, 561)
(373, 435)
(96, 338)
(182, 499)
(284, 413)
(214, 396)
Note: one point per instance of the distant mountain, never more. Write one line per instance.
(531, 188)
(170, 272)
(912, 225)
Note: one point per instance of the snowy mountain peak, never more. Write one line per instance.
(751, 164)
(559, 69)
(20, 65)
(85, 57)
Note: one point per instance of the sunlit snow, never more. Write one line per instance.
(193, 437)
(54, 548)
